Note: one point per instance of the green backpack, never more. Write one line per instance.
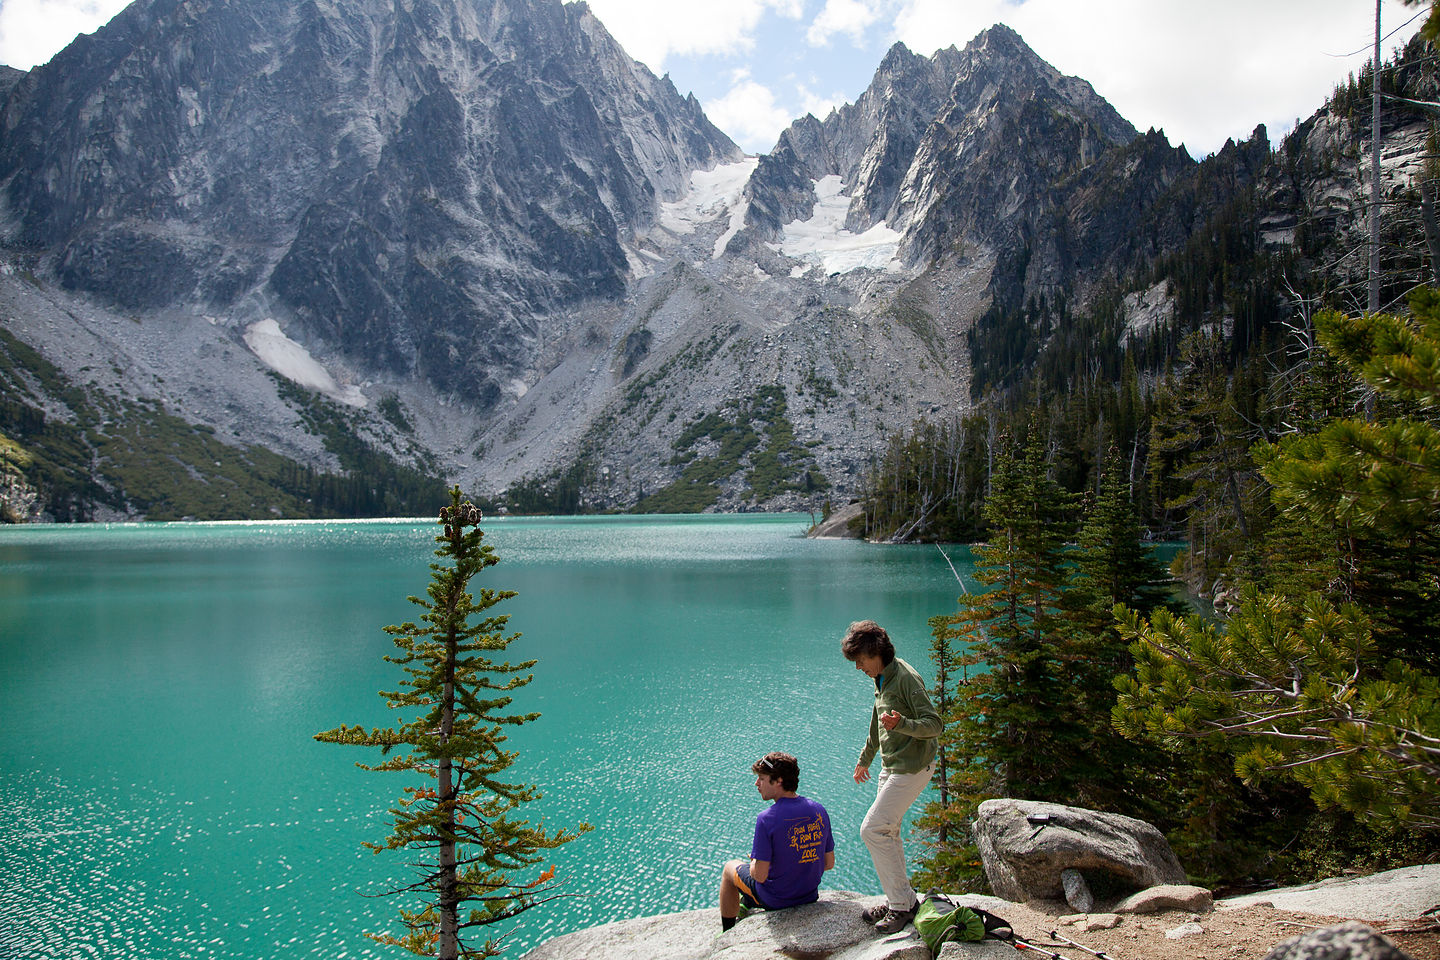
(938, 921)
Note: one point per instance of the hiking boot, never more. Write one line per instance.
(872, 914)
(894, 920)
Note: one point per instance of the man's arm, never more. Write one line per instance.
(830, 860)
(759, 870)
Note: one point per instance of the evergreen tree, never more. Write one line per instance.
(465, 827)
(1303, 684)
(1013, 714)
(1023, 696)
(948, 658)
(1190, 790)
(1285, 686)
(1374, 487)
(1200, 461)
(1006, 728)
(1303, 551)
(1111, 565)
(950, 854)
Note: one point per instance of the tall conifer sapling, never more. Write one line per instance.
(464, 828)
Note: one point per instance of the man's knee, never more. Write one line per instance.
(728, 872)
(875, 830)
(881, 820)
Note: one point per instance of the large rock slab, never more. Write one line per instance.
(1162, 898)
(1025, 845)
(831, 928)
(689, 935)
(984, 950)
(1402, 894)
(1348, 941)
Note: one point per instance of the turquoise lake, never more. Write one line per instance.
(161, 796)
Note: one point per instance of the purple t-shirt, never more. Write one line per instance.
(794, 835)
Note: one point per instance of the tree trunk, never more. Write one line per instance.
(1374, 292)
(449, 888)
(1432, 231)
(940, 768)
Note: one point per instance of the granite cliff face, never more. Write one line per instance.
(414, 184)
(930, 148)
(869, 144)
(511, 255)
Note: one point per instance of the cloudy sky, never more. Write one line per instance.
(1201, 70)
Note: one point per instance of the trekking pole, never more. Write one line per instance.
(1024, 945)
(1055, 935)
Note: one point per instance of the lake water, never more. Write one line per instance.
(161, 796)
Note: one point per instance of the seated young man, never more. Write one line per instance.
(793, 846)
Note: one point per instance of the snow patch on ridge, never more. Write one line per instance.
(712, 194)
(823, 240)
(293, 362)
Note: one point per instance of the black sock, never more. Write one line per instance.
(726, 923)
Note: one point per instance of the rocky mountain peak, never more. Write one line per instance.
(922, 129)
(1013, 127)
(868, 144)
(1000, 42)
(998, 63)
(415, 183)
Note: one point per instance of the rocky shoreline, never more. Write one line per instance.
(1040, 859)
(1398, 905)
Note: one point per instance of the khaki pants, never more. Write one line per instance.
(881, 832)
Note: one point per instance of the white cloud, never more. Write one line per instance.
(33, 31)
(749, 114)
(653, 30)
(1201, 71)
(854, 17)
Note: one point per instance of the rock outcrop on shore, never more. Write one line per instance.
(837, 525)
(1394, 906)
(831, 928)
(1029, 847)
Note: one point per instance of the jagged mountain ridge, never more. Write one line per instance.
(413, 182)
(869, 143)
(924, 122)
(537, 258)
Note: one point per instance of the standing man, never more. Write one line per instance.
(904, 726)
(793, 846)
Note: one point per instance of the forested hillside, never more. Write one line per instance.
(1234, 395)
(98, 457)
(1182, 362)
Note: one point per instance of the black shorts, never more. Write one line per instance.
(749, 889)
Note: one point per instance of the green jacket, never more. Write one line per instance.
(910, 747)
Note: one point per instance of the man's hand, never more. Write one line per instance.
(890, 720)
(862, 772)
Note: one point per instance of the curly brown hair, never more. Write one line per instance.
(779, 766)
(866, 638)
